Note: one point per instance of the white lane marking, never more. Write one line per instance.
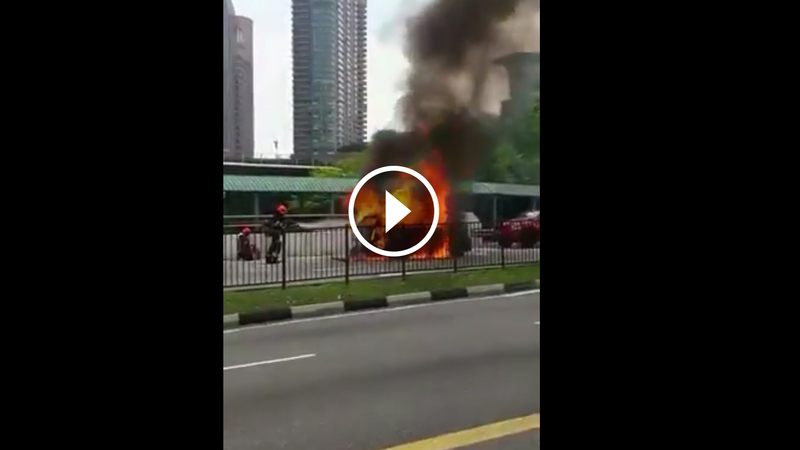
(377, 311)
(271, 361)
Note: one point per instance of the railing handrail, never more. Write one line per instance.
(257, 216)
(346, 226)
(330, 251)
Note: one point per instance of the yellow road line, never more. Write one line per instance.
(474, 435)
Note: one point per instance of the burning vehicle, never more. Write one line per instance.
(451, 239)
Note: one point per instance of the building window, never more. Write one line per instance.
(239, 36)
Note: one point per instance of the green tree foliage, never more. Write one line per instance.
(516, 157)
(501, 163)
(349, 165)
(526, 133)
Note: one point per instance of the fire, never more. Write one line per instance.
(370, 212)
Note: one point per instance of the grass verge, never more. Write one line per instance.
(246, 301)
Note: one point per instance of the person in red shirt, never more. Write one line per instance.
(245, 249)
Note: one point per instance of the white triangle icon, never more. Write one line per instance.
(395, 211)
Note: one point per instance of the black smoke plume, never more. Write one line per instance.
(451, 46)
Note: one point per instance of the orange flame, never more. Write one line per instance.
(369, 208)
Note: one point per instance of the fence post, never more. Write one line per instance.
(403, 267)
(454, 245)
(264, 246)
(283, 258)
(502, 257)
(346, 254)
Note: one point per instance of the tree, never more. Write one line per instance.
(516, 158)
(525, 133)
(528, 143)
(348, 166)
(500, 166)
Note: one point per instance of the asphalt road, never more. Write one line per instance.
(383, 379)
(241, 273)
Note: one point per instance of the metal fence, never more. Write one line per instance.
(334, 252)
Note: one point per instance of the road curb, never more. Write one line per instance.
(280, 314)
(317, 310)
(486, 289)
(448, 294)
(370, 303)
(230, 321)
(517, 287)
(414, 298)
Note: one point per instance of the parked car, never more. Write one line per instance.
(523, 230)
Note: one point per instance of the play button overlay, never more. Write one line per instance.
(395, 211)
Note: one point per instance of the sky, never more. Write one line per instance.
(272, 72)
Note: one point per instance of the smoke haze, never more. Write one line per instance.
(451, 46)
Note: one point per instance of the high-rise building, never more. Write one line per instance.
(238, 125)
(329, 50)
(243, 120)
(227, 74)
(523, 82)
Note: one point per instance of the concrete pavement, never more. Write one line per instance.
(378, 380)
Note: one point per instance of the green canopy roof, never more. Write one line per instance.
(249, 183)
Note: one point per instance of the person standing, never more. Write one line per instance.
(275, 227)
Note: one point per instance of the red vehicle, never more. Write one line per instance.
(523, 230)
